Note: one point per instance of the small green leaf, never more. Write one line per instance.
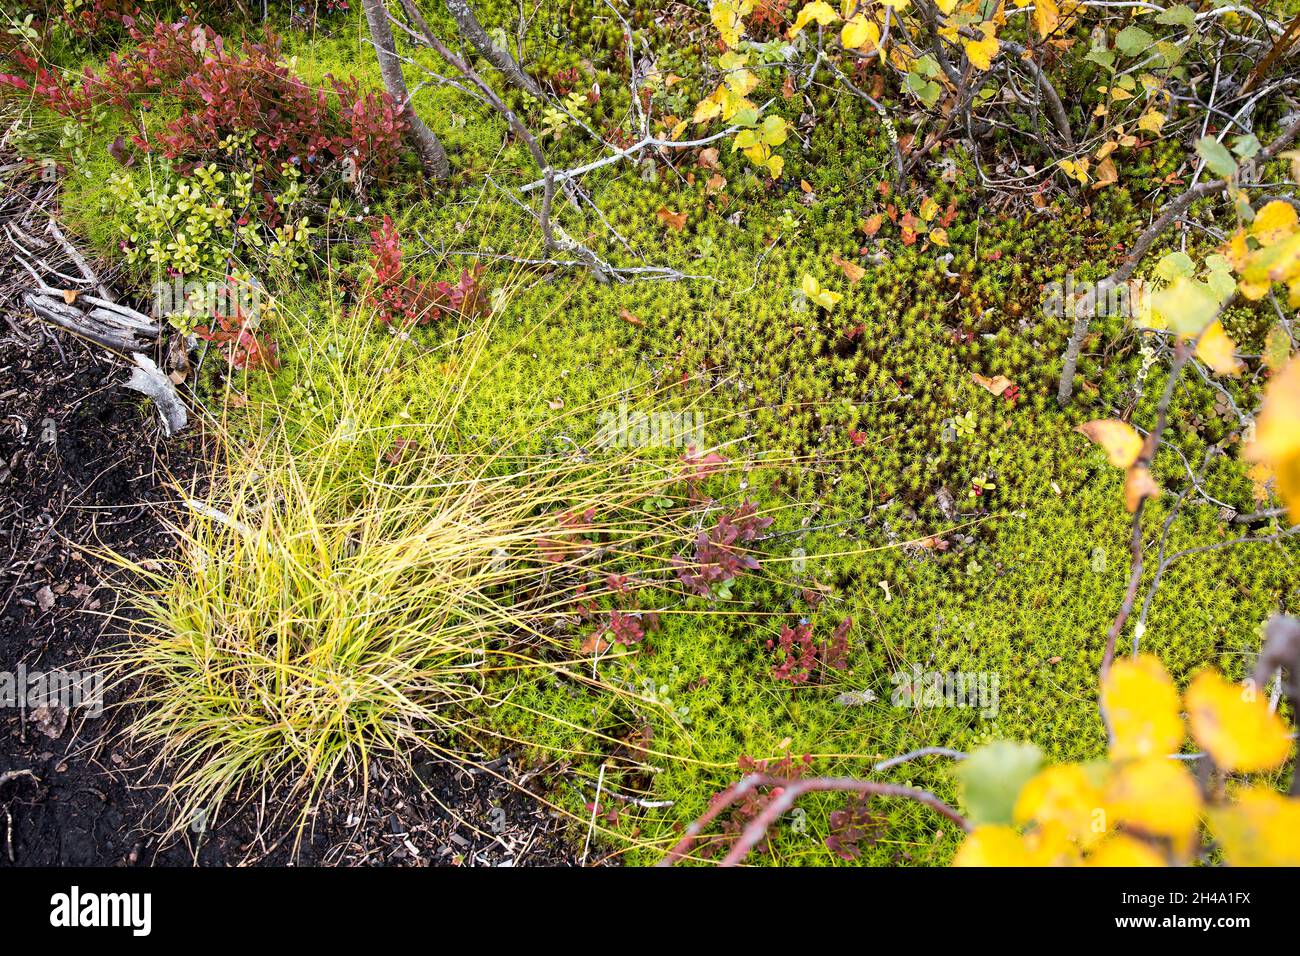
(1217, 158)
(1180, 15)
(1102, 57)
(991, 779)
(1174, 265)
(927, 91)
(1245, 146)
(1133, 40)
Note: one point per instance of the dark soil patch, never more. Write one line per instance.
(83, 465)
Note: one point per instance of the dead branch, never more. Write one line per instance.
(473, 31)
(1281, 656)
(785, 793)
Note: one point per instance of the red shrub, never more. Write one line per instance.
(222, 92)
(400, 298)
(717, 558)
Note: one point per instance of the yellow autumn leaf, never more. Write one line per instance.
(1234, 725)
(1118, 439)
(982, 51)
(1075, 170)
(1050, 845)
(1139, 485)
(1217, 350)
(706, 110)
(728, 18)
(992, 846)
(1064, 795)
(946, 6)
(1274, 222)
(1152, 121)
(1126, 851)
(1142, 708)
(860, 33)
(1277, 435)
(1046, 16)
(1107, 174)
(1154, 796)
(819, 11)
(815, 293)
(1260, 828)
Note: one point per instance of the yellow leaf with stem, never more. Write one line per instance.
(1118, 439)
(818, 11)
(1260, 828)
(1277, 435)
(1234, 725)
(1155, 796)
(1275, 222)
(982, 51)
(1217, 350)
(1126, 851)
(1142, 708)
(1065, 795)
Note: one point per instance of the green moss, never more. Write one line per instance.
(1035, 567)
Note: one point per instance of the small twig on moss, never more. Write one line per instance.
(786, 792)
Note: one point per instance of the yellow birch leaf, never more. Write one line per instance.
(981, 52)
(1154, 796)
(1139, 486)
(1126, 851)
(1118, 439)
(819, 10)
(1046, 16)
(1277, 434)
(1064, 795)
(1261, 828)
(1234, 725)
(992, 846)
(1274, 222)
(1152, 121)
(1217, 350)
(1142, 708)
(859, 33)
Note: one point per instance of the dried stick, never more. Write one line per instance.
(473, 31)
(789, 792)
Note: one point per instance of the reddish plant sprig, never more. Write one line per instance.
(719, 557)
(221, 92)
(399, 298)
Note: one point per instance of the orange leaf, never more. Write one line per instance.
(852, 271)
(995, 385)
(675, 221)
